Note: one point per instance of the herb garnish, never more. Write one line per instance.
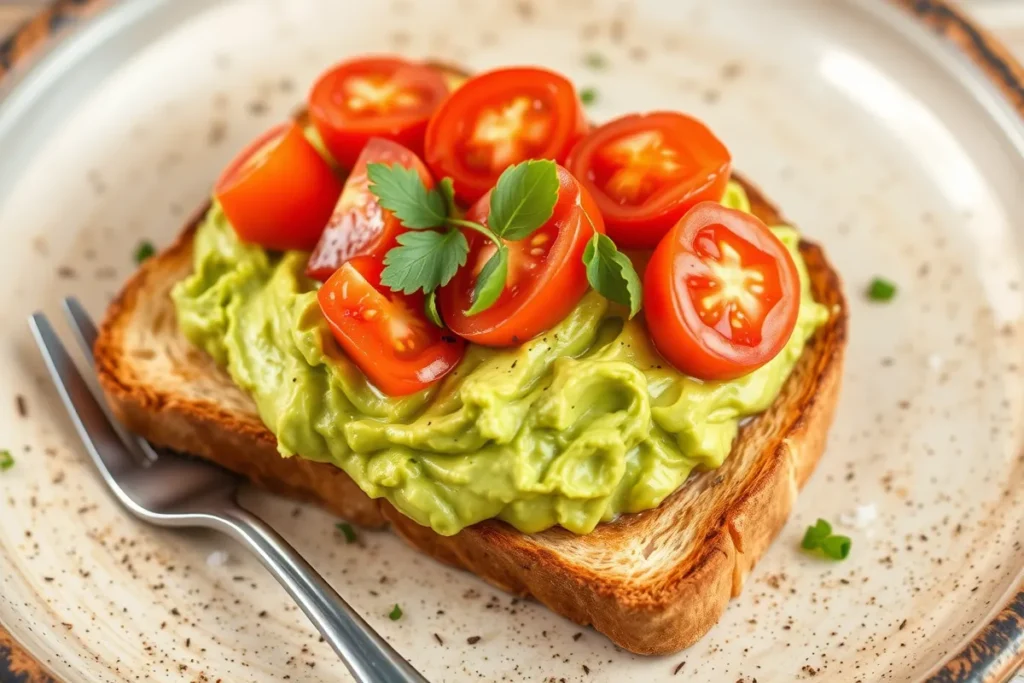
(820, 537)
(395, 614)
(881, 289)
(588, 96)
(523, 200)
(6, 460)
(144, 251)
(347, 530)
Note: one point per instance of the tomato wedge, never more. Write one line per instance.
(370, 97)
(498, 119)
(721, 294)
(359, 226)
(386, 333)
(279, 192)
(546, 275)
(647, 170)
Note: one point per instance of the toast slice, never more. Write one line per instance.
(653, 582)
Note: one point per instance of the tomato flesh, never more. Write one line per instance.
(359, 226)
(384, 97)
(279, 192)
(546, 275)
(646, 171)
(386, 333)
(721, 294)
(498, 119)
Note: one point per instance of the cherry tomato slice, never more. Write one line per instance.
(359, 226)
(279, 192)
(646, 170)
(546, 275)
(498, 119)
(370, 97)
(386, 333)
(721, 294)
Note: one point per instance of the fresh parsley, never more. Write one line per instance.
(820, 537)
(611, 273)
(347, 531)
(430, 309)
(395, 614)
(6, 460)
(522, 201)
(144, 251)
(881, 289)
(588, 96)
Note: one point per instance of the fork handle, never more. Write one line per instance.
(368, 657)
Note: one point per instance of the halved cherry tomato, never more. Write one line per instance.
(359, 226)
(370, 97)
(647, 170)
(546, 275)
(279, 192)
(386, 333)
(721, 294)
(498, 119)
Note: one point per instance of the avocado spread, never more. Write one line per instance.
(572, 428)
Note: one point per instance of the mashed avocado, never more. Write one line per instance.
(581, 424)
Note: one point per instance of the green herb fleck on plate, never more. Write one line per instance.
(595, 60)
(881, 289)
(6, 460)
(820, 537)
(347, 530)
(395, 614)
(588, 96)
(144, 251)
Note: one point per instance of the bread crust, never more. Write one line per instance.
(653, 582)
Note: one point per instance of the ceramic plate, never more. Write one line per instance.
(876, 135)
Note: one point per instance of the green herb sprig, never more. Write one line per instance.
(6, 460)
(523, 200)
(820, 537)
(395, 614)
(347, 531)
(881, 290)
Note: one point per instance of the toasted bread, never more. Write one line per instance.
(653, 582)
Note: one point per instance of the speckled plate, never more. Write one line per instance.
(889, 131)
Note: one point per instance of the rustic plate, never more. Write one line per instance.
(902, 154)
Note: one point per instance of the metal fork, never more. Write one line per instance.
(175, 491)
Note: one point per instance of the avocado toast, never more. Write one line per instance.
(653, 581)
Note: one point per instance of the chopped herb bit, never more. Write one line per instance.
(395, 614)
(347, 530)
(588, 96)
(6, 460)
(820, 537)
(595, 60)
(881, 290)
(144, 251)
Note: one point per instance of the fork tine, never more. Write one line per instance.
(84, 330)
(94, 429)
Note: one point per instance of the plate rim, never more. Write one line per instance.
(993, 653)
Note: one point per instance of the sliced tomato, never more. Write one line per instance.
(386, 333)
(498, 119)
(359, 226)
(647, 170)
(721, 294)
(546, 275)
(279, 192)
(369, 97)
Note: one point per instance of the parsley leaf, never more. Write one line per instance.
(588, 96)
(395, 614)
(6, 460)
(424, 260)
(347, 531)
(820, 537)
(401, 191)
(523, 199)
(881, 290)
(490, 283)
(611, 273)
(144, 251)
(430, 309)
(447, 190)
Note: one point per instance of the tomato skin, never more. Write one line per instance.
(701, 168)
(546, 280)
(279, 192)
(411, 93)
(462, 141)
(679, 276)
(359, 226)
(364, 317)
